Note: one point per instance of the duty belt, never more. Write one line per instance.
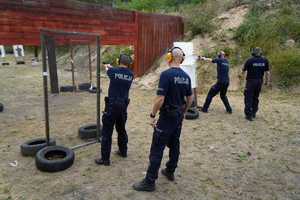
(107, 99)
(166, 110)
(254, 78)
(222, 81)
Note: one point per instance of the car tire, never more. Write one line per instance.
(192, 113)
(84, 86)
(89, 131)
(94, 90)
(31, 147)
(1, 107)
(54, 158)
(67, 88)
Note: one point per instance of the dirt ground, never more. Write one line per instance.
(211, 166)
(223, 156)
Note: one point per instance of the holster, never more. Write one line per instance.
(165, 110)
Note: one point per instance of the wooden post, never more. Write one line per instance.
(52, 63)
(36, 53)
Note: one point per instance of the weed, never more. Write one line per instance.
(206, 179)
(272, 148)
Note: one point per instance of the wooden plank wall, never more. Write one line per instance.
(150, 33)
(157, 33)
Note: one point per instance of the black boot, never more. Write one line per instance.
(144, 186)
(124, 155)
(169, 175)
(99, 161)
(250, 118)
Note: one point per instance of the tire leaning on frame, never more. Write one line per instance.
(31, 147)
(54, 158)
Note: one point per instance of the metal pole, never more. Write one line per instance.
(45, 74)
(90, 61)
(85, 144)
(72, 65)
(98, 88)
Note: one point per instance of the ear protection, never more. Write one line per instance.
(253, 53)
(169, 54)
(119, 57)
(219, 54)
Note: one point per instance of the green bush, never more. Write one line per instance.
(199, 19)
(142, 5)
(112, 52)
(285, 66)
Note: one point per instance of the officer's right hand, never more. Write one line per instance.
(152, 121)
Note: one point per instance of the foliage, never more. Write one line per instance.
(154, 5)
(271, 32)
(267, 31)
(111, 53)
(212, 53)
(142, 5)
(286, 66)
(199, 19)
(101, 2)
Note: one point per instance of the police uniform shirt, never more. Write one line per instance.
(222, 68)
(120, 82)
(256, 67)
(174, 84)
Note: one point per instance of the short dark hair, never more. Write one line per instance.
(125, 59)
(257, 50)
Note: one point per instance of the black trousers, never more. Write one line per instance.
(219, 87)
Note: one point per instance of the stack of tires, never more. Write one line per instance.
(50, 158)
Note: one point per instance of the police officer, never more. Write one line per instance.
(256, 66)
(174, 85)
(222, 82)
(115, 112)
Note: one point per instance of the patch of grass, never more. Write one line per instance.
(206, 179)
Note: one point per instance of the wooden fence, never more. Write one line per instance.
(151, 34)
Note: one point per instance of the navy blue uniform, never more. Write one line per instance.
(174, 84)
(115, 112)
(256, 67)
(221, 85)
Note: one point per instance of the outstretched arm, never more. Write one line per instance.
(107, 66)
(205, 59)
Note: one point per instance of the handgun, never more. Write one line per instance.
(105, 62)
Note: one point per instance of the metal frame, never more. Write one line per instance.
(45, 75)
